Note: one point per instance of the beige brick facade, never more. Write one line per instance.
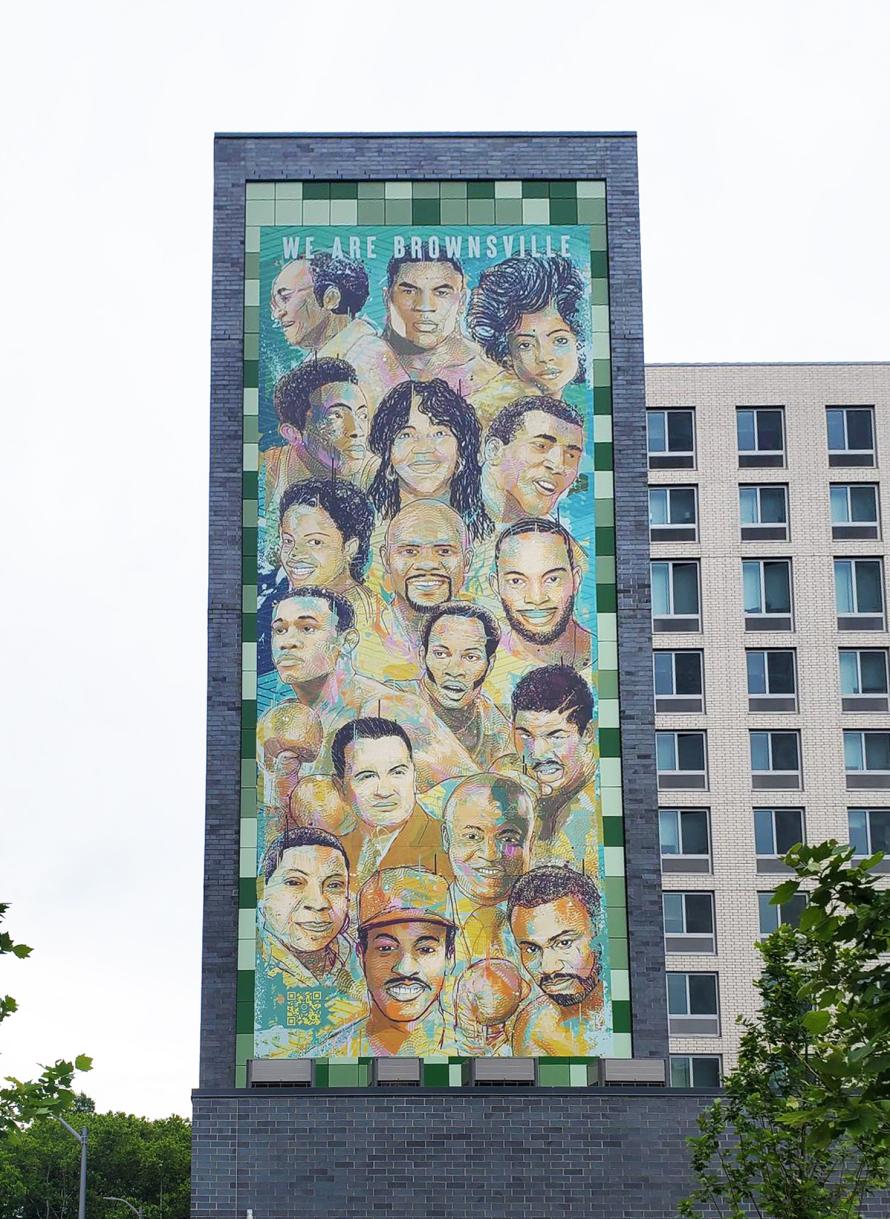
(715, 392)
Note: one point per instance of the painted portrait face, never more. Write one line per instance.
(544, 351)
(312, 548)
(424, 455)
(557, 945)
(537, 585)
(379, 782)
(426, 555)
(425, 302)
(405, 966)
(293, 303)
(336, 425)
(305, 641)
(553, 751)
(456, 661)
(540, 463)
(307, 897)
(487, 840)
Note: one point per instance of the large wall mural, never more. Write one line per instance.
(431, 861)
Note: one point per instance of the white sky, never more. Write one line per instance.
(764, 183)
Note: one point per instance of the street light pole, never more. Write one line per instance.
(136, 1210)
(82, 1138)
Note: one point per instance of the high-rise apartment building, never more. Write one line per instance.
(769, 616)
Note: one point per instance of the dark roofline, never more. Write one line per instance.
(771, 364)
(423, 135)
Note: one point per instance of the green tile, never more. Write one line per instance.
(598, 239)
(607, 679)
(610, 742)
(251, 319)
(480, 211)
(453, 190)
(349, 1074)
(599, 292)
(398, 211)
(535, 190)
(554, 1074)
(602, 456)
(591, 211)
(244, 985)
(480, 190)
(508, 211)
(246, 893)
(251, 266)
(617, 951)
(248, 714)
(604, 512)
(605, 564)
(370, 190)
(599, 264)
(425, 211)
(606, 599)
(251, 374)
(563, 190)
(244, 1017)
(605, 539)
(248, 802)
(249, 542)
(563, 211)
(621, 1015)
(248, 630)
(602, 400)
(370, 211)
(453, 211)
(252, 349)
(613, 832)
(249, 512)
(425, 190)
(316, 190)
(602, 372)
(344, 190)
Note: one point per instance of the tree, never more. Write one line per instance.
(804, 1129)
(146, 1162)
(21, 1101)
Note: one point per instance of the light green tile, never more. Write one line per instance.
(606, 627)
(251, 292)
(251, 240)
(508, 190)
(592, 211)
(251, 402)
(247, 918)
(480, 211)
(608, 713)
(453, 211)
(611, 802)
(249, 513)
(455, 1075)
(288, 190)
(247, 949)
(508, 211)
(316, 211)
(453, 190)
(248, 686)
(598, 237)
(610, 772)
(607, 651)
(577, 1074)
(344, 211)
(590, 190)
(599, 316)
(425, 190)
(601, 351)
(605, 563)
(617, 952)
(259, 211)
(603, 484)
(602, 373)
(614, 860)
(620, 979)
(602, 428)
(248, 773)
(251, 352)
(370, 211)
(599, 292)
(250, 457)
(248, 802)
(248, 599)
(535, 211)
(259, 190)
(288, 211)
(622, 1045)
(248, 657)
(398, 211)
(397, 190)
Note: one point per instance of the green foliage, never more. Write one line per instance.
(145, 1162)
(804, 1129)
(23, 1100)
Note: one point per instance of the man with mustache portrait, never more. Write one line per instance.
(557, 919)
(406, 938)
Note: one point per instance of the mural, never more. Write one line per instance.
(430, 834)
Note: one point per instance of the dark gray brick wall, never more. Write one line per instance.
(239, 159)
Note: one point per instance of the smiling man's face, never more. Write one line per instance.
(540, 463)
(487, 836)
(426, 555)
(405, 966)
(307, 897)
(379, 781)
(537, 584)
(293, 303)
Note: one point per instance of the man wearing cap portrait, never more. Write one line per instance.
(406, 940)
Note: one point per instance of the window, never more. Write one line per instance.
(763, 511)
(675, 599)
(775, 759)
(685, 838)
(870, 832)
(767, 594)
(671, 439)
(688, 922)
(854, 510)
(761, 436)
(851, 436)
(678, 681)
(859, 594)
(672, 514)
(867, 759)
(771, 680)
(864, 679)
(680, 758)
(776, 830)
(695, 1070)
(771, 916)
(692, 1004)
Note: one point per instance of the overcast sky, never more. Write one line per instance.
(764, 185)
